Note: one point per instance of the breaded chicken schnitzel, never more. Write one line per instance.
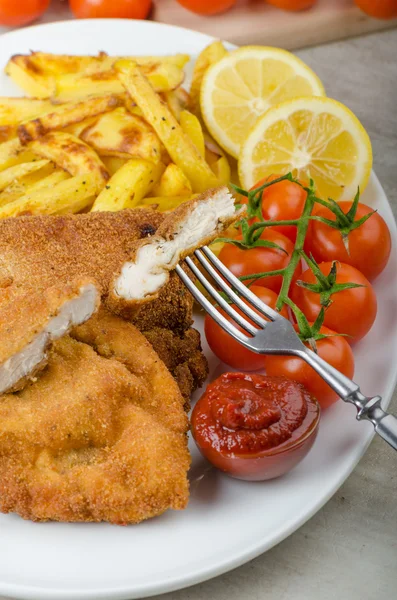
(100, 436)
(31, 321)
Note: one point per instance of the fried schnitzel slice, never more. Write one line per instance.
(192, 225)
(37, 252)
(94, 439)
(29, 322)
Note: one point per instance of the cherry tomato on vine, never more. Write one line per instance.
(229, 350)
(207, 7)
(20, 13)
(335, 350)
(351, 311)
(292, 4)
(113, 9)
(380, 9)
(369, 245)
(243, 262)
(282, 201)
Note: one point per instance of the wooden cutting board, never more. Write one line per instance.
(255, 22)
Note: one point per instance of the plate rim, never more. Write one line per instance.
(32, 592)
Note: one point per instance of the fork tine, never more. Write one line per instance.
(210, 309)
(243, 306)
(239, 286)
(219, 300)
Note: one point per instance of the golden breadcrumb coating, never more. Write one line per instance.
(100, 436)
(37, 252)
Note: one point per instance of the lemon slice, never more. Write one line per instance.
(239, 88)
(312, 137)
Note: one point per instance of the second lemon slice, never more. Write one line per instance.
(317, 138)
(239, 88)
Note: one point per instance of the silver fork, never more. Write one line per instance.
(276, 335)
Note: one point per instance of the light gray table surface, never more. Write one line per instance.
(348, 550)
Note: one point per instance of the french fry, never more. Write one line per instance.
(164, 203)
(69, 196)
(177, 101)
(64, 63)
(29, 184)
(222, 171)
(119, 133)
(13, 153)
(8, 176)
(173, 182)
(70, 153)
(209, 56)
(113, 163)
(65, 115)
(37, 73)
(179, 146)
(128, 185)
(76, 86)
(15, 110)
(192, 127)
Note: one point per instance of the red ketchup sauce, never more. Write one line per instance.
(253, 426)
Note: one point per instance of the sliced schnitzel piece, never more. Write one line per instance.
(190, 226)
(37, 252)
(100, 436)
(30, 322)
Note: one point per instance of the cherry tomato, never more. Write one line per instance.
(257, 260)
(283, 201)
(226, 348)
(292, 4)
(20, 13)
(351, 311)
(113, 9)
(369, 244)
(207, 7)
(335, 350)
(380, 9)
(255, 427)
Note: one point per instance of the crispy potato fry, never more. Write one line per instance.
(37, 73)
(222, 171)
(119, 133)
(173, 182)
(112, 163)
(177, 101)
(65, 115)
(13, 153)
(164, 203)
(179, 146)
(14, 173)
(77, 128)
(128, 185)
(76, 86)
(69, 196)
(70, 153)
(192, 127)
(63, 63)
(209, 56)
(38, 180)
(15, 110)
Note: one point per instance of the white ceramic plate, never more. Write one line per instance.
(227, 522)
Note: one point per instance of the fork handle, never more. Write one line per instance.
(368, 409)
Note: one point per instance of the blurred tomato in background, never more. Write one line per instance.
(207, 7)
(381, 9)
(14, 13)
(122, 9)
